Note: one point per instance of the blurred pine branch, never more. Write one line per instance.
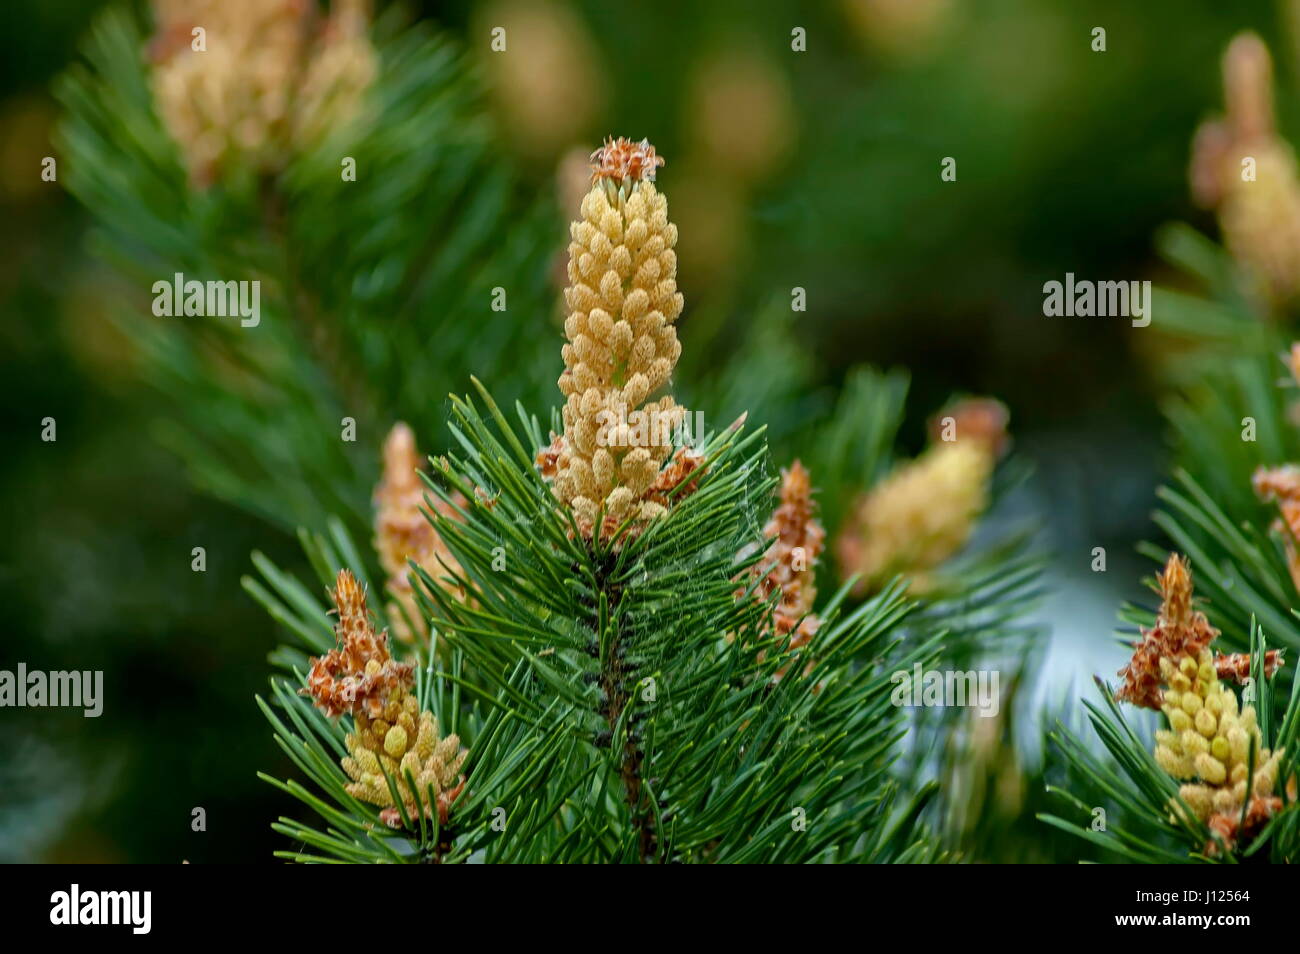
(378, 293)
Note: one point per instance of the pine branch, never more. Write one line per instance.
(361, 310)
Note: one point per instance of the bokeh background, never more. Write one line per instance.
(817, 169)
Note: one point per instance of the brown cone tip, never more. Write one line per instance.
(1176, 590)
(1180, 631)
(983, 420)
(401, 459)
(623, 160)
(359, 675)
(1248, 86)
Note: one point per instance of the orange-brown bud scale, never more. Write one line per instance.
(391, 734)
(789, 566)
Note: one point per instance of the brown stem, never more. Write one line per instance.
(615, 675)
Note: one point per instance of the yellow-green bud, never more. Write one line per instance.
(1210, 769)
(1193, 742)
(395, 741)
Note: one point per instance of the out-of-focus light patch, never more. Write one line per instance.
(1082, 611)
(91, 335)
(710, 217)
(42, 791)
(26, 121)
(547, 81)
(740, 114)
(900, 29)
(572, 180)
(1010, 81)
